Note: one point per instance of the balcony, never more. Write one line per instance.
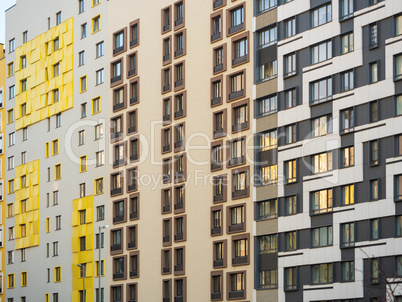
(236, 28)
(218, 263)
(236, 294)
(179, 113)
(215, 101)
(133, 274)
(178, 144)
(166, 57)
(134, 157)
(239, 193)
(179, 176)
(166, 117)
(166, 87)
(166, 238)
(216, 36)
(178, 22)
(178, 83)
(115, 79)
(116, 191)
(216, 230)
(118, 49)
(239, 127)
(239, 60)
(218, 197)
(178, 237)
(118, 162)
(178, 299)
(132, 187)
(178, 268)
(216, 296)
(218, 3)
(132, 129)
(166, 269)
(115, 135)
(166, 208)
(240, 260)
(115, 247)
(133, 100)
(132, 72)
(237, 161)
(118, 276)
(131, 245)
(178, 206)
(178, 52)
(236, 227)
(218, 133)
(218, 68)
(166, 27)
(236, 94)
(133, 42)
(133, 215)
(216, 166)
(118, 219)
(166, 178)
(166, 148)
(118, 106)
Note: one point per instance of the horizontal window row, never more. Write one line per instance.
(179, 77)
(179, 101)
(117, 125)
(117, 293)
(117, 239)
(179, 290)
(235, 285)
(117, 182)
(122, 156)
(167, 23)
(117, 69)
(179, 43)
(124, 268)
(173, 199)
(126, 207)
(235, 88)
(239, 185)
(235, 219)
(179, 163)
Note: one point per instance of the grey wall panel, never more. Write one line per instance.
(321, 109)
(346, 26)
(347, 254)
(268, 261)
(362, 114)
(387, 108)
(362, 230)
(267, 54)
(316, 3)
(387, 227)
(347, 140)
(304, 239)
(321, 220)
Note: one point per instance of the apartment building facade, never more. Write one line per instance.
(236, 150)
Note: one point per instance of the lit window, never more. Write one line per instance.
(347, 120)
(348, 156)
(348, 194)
(268, 244)
(321, 126)
(268, 209)
(373, 72)
(348, 234)
(347, 43)
(321, 201)
(268, 140)
(322, 273)
(99, 186)
(321, 162)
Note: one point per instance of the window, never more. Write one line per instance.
(290, 171)
(236, 19)
(179, 14)
(57, 274)
(373, 32)
(398, 67)
(58, 120)
(81, 6)
(348, 156)
(321, 162)
(347, 80)
(321, 126)
(269, 175)
(81, 137)
(321, 236)
(374, 189)
(269, 279)
(11, 186)
(55, 248)
(321, 15)
(56, 70)
(347, 120)
(237, 152)
(346, 9)
(348, 234)
(236, 285)
(267, 105)
(98, 131)
(81, 58)
(267, 140)
(117, 183)
(291, 205)
(236, 219)
(116, 293)
(264, 5)
(116, 71)
(179, 76)
(83, 164)
(83, 84)
(398, 105)
(374, 270)
(98, 186)
(267, 71)
(290, 27)
(96, 105)
(11, 233)
(100, 213)
(268, 244)
(322, 273)
(240, 182)
(179, 44)
(399, 226)
(267, 37)
(216, 28)
(290, 278)
(398, 25)
(373, 111)
(321, 201)
(11, 92)
(10, 257)
(321, 90)
(58, 18)
(348, 194)
(57, 174)
(291, 241)
(166, 19)
(11, 139)
(23, 62)
(55, 197)
(132, 66)
(290, 64)
(10, 281)
(134, 36)
(100, 158)
(58, 222)
(347, 42)
(96, 24)
(240, 118)
(11, 45)
(119, 155)
(10, 69)
(166, 74)
(373, 72)
(374, 229)
(267, 209)
(240, 49)
(56, 96)
(100, 49)
(83, 30)
(118, 42)
(10, 162)
(373, 146)
(290, 134)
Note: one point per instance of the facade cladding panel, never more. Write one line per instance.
(250, 151)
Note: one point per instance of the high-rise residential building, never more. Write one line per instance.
(2, 165)
(203, 151)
